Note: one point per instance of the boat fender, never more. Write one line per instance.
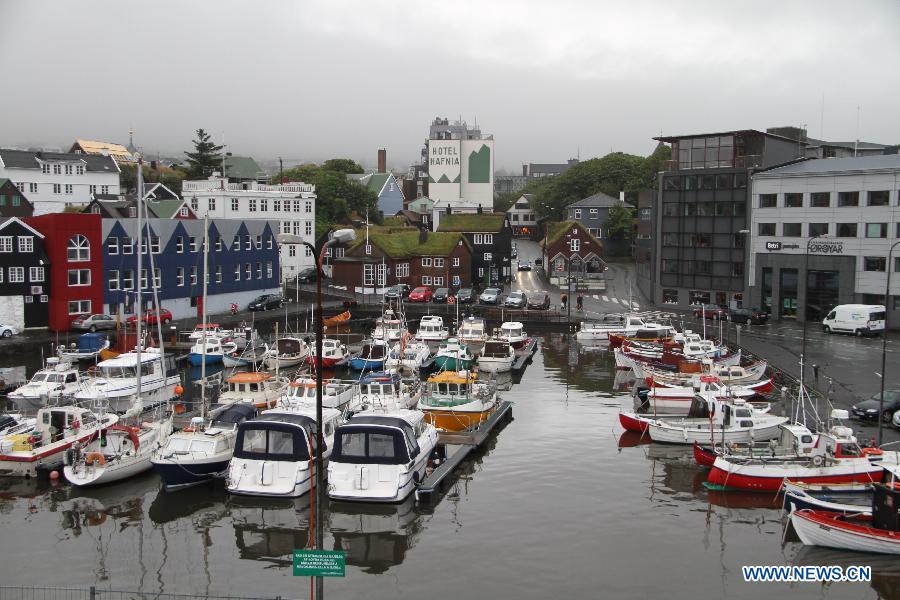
(818, 460)
(364, 400)
(69, 457)
(416, 477)
(872, 451)
(95, 457)
(75, 424)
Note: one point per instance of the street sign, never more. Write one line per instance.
(319, 563)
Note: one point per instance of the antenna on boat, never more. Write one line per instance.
(203, 316)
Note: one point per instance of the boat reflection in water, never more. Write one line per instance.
(885, 568)
(375, 537)
(209, 498)
(120, 503)
(270, 529)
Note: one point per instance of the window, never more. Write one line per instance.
(79, 277)
(426, 280)
(219, 274)
(212, 204)
(670, 296)
(68, 169)
(292, 250)
(791, 229)
(193, 275)
(308, 206)
(113, 280)
(670, 209)
(157, 278)
(193, 243)
(218, 243)
(403, 270)
(248, 271)
(689, 209)
(309, 228)
(478, 238)
(252, 203)
(456, 280)
(179, 276)
(143, 279)
(259, 270)
(26, 243)
(845, 230)
(703, 267)
(767, 229)
(737, 269)
(259, 242)
(17, 274)
(577, 213)
(183, 211)
(234, 204)
(698, 297)
(57, 170)
(179, 244)
(820, 199)
(104, 189)
(127, 245)
(487, 257)
(438, 281)
(876, 230)
(793, 200)
(32, 188)
(195, 204)
(874, 263)
(36, 274)
(268, 270)
(669, 265)
(154, 244)
(45, 168)
(127, 279)
(575, 245)
(738, 240)
(112, 245)
(816, 229)
(79, 307)
(91, 188)
(79, 170)
(594, 212)
(16, 199)
(455, 261)
(269, 242)
(6, 243)
(237, 272)
(57, 188)
(480, 272)
(768, 200)
(264, 205)
(276, 205)
(848, 198)
(426, 262)
(78, 249)
(247, 244)
(879, 198)
(439, 262)
(69, 188)
(368, 274)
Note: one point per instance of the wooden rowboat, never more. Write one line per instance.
(337, 319)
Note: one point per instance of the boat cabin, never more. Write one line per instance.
(282, 435)
(124, 366)
(212, 330)
(472, 329)
(379, 439)
(248, 383)
(302, 388)
(450, 384)
(512, 330)
(885, 501)
(373, 351)
(53, 424)
(380, 384)
(56, 372)
(496, 349)
(431, 325)
(289, 347)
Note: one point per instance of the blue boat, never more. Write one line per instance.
(88, 347)
(372, 356)
(215, 349)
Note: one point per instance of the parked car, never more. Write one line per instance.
(422, 293)
(440, 295)
(8, 331)
(152, 317)
(94, 322)
(397, 292)
(539, 302)
(710, 312)
(538, 262)
(858, 319)
(867, 410)
(465, 296)
(490, 295)
(524, 266)
(514, 252)
(748, 315)
(308, 275)
(516, 300)
(266, 301)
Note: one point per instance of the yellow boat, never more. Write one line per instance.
(455, 401)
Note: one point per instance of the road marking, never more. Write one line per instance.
(617, 300)
(606, 298)
(595, 297)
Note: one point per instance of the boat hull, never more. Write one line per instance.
(86, 476)
(495, 366)
(365, 364)
(671, 433)
(179, 475)
(455, 420)
(632, 422)
(727, 475)
(449, 363)
(799, 500)
(832, 530)
(197, 359)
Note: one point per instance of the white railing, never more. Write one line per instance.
(218, 184)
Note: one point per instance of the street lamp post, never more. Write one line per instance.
(805, 306)
(341, 236)
(884, 334)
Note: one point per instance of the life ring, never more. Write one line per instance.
(189, 429)
(95, 457)
(873, 451)
(818, 460)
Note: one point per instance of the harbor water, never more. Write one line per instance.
(559, 504)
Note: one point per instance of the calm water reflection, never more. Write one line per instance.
(560, 504)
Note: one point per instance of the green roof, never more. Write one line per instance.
(242, 167)
(395, 221)
(373, 181)
(474, 222)
(400, 242)
(165, 209)
(556, 230)
(421, 205)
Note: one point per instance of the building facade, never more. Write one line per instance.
(460, 164)
(385, 186)
(534, 170)
(490, 236)
(293, 205)
(56, 180)
(644, 243)
(24, 275)
(821, 234)
(523, 219)
(703, 213)
(13, 202)
(74, 246)
(243, 261)
(573, 254)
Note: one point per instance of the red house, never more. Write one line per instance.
(73, 243)
(572, 252)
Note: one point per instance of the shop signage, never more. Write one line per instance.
(773, 245)
(826, 247)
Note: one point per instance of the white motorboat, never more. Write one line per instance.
(336, 394)
(411, 356)
(617, 324)
(11, 424)
(431, 329)
(678, 400)
(497, 356)
(453, 355)
(729, 374)
(472, 332)
(389, 327)
(288, 352)
(380, 456)
(88, 347)
(258, 389)
(514, 333)
(213, 330)
(334, 353)
(127, 452)
(727, 422)
(247, 356)
(116, 381)
(200, 452)
(455, 401)
(214, 351)
(274, 452)
(56, 430)
(57, 382)
(388, 391)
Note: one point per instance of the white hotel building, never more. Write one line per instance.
(292, 204)
(851, 206)
(54, 180)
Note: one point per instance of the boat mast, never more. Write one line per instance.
(139, 296)
(203, 316)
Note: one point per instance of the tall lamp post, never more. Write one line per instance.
(805, 306)
(341, 236)
(884, 334)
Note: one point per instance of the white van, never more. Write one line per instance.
(859, 319)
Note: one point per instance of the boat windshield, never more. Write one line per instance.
(271, 442)
(39, 377)
(118, 372)
(449, 389)
(370, 447)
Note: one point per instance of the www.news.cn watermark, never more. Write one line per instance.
(803, 574)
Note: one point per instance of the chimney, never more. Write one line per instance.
(479, 209)
(622, 196)
(449, 210)
(382, 160)
(524, 170)
(423, 235)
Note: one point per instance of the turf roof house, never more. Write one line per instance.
(402, 255)
(572, 250)
(161, 203)
(490, 236)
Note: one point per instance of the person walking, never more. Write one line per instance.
(563, 299)
(580, 304)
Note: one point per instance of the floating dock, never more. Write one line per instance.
(457, 445)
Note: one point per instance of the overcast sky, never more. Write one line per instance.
(309, 80)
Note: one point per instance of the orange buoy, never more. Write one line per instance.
(54, 475)
(179, 409)
(179, 390)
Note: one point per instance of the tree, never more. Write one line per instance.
(620, 222)
(168, 176)
(342, 165)
(206, 157)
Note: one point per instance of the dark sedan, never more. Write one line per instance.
(746, 315)
(465, 296)
(307, 275)
(867, 410)
(397, 292)
(440, 295)
(539, 302)
(265, 302)
(524, 266)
